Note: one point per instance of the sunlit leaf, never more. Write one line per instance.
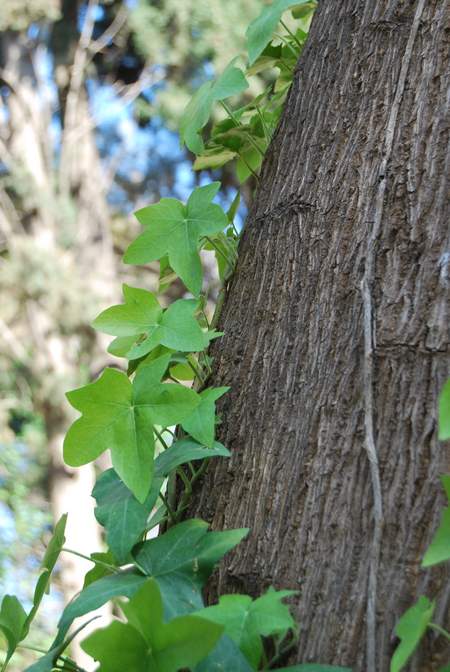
(410, 629)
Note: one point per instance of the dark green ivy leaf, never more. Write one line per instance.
(120, 513)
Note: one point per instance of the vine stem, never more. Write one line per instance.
(369, 347)
(95, 561)
(294, 37)
(440, 630)
(237, 122)
(160, 438)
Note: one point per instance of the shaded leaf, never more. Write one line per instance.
(120, 513)
(186, 450)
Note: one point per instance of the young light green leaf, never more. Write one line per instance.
(12, 622)
(246, 620)
(120, 513)
(142, 325)
(439, 549)
(201, 423)
(444, 412)
(197, 112)
(176, 230)
(260, 31)
(96, 595)
(186, 450)
(119, 415)
(410, 629)
(181, 560)
(48, 563)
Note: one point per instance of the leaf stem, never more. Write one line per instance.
(160, 438)
(170, 511)
(95, 561)
(236, 121)
(294, 37)
(440, 630)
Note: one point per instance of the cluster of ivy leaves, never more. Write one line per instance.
(158, 426)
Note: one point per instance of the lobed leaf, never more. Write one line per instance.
(410, 629)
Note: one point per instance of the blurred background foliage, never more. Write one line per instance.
(90, 96)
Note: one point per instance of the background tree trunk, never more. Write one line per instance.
(337, 341)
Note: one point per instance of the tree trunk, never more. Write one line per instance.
(337, 343)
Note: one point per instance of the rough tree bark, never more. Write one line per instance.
(337, 342)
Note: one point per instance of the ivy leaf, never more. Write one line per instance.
(146, 642)
(186, 450)
(120, 513)
(181, 559)
(197, 112)
(12, 620)
(444, 412)
(175, 229)
(96, 595)
(246, 620)
(142, 325)
(98, 571)
(410, 629)
(439, 549)
(118, 647)
(119, 415)
(314, 667)
(47, 663)
(201, 423)
(260, 31)
(48, 563)
(225, 657)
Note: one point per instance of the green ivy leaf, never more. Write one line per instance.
(118, 647)
(142, 325)
(213, 158)
(225, 657)
(98, 571)
(48, 563)
(231, 82)
(146, 642)
(12, 621)
(119, 415)
(444, 412)
(175, 229)
(186, 450)
(439, 549)
(47, 663)
(410, 629)
(246, 620)
(314, 667)
(201, 423)
(96, 595)
(121, 514)
(181, 560)
(260, 31)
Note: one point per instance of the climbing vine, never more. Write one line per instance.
(157, 417)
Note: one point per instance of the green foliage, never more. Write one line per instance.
(121, 514)
(410, 629)
(157, 582)
(141, 325)
(145, 642)
(444, 412)
(120, 416)
(176, 229)
(246, 620)
(439, 549)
